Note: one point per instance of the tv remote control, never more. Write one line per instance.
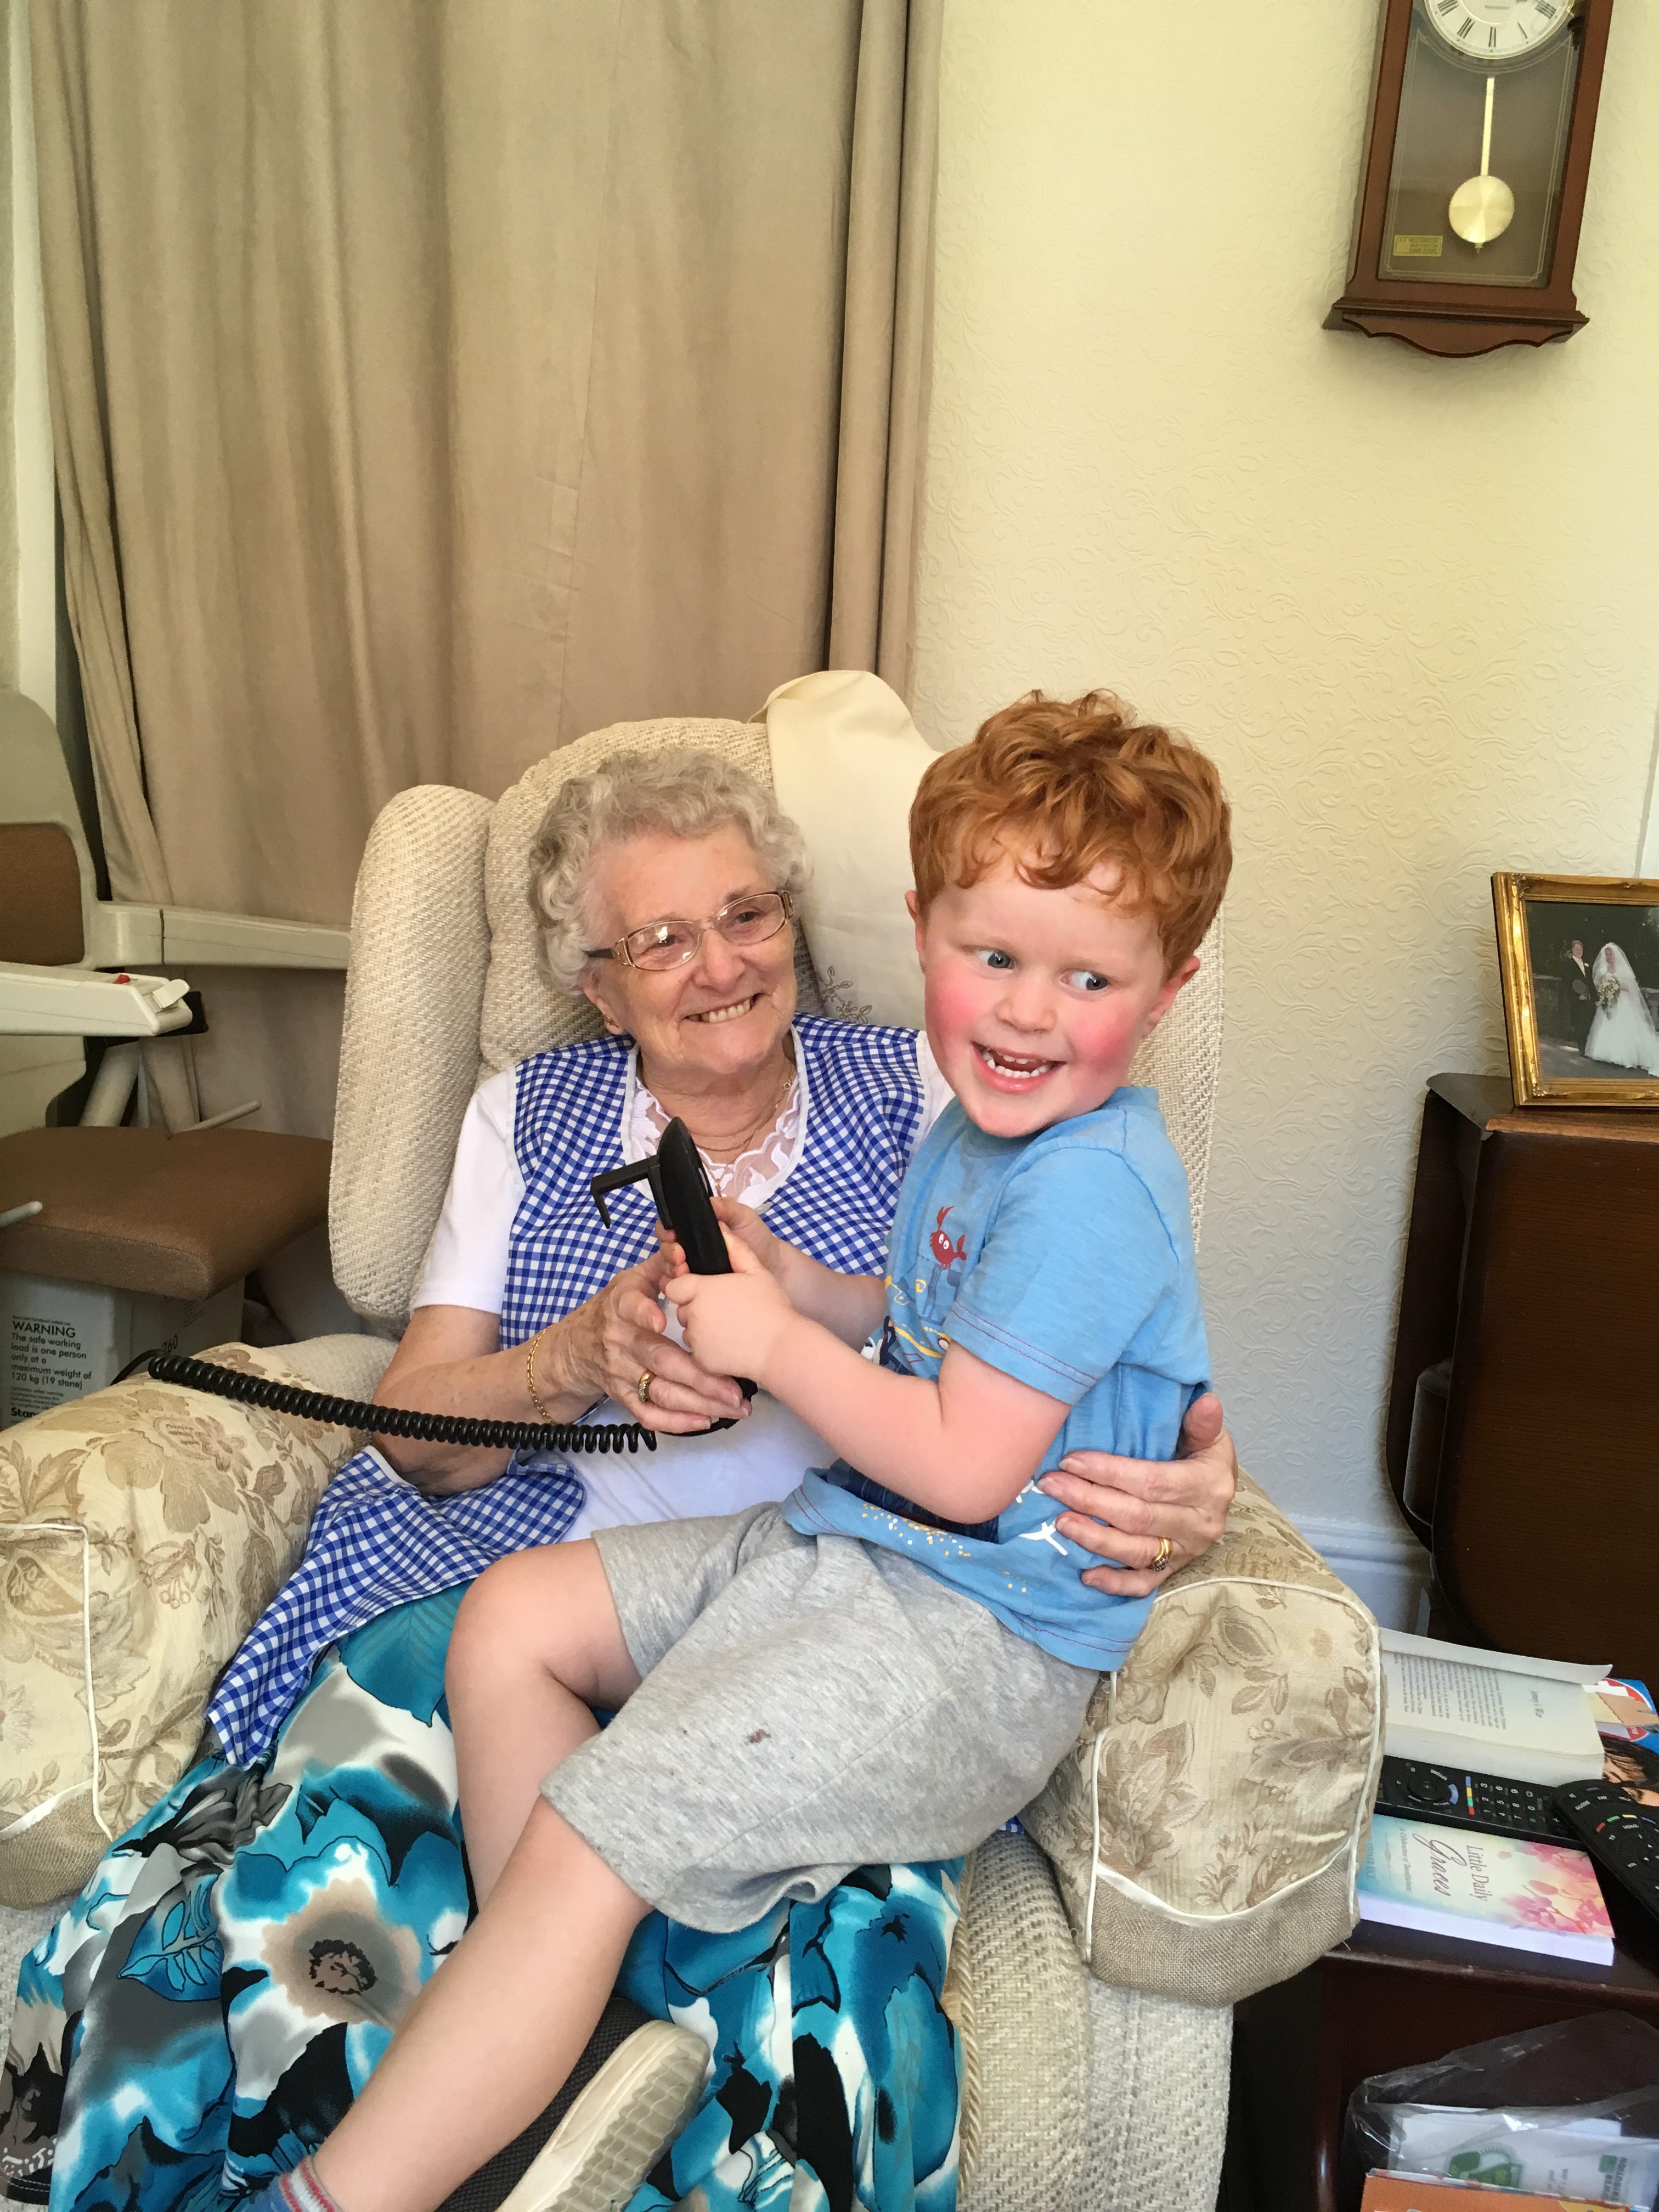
(1622, 1835)
(1490, 1803)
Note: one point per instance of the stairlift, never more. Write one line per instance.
(114, 1238)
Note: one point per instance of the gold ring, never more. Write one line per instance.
(642, 1387)
(1161, 1557)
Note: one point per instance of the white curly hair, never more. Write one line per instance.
(682, 790)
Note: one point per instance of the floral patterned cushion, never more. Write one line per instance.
(142, 1530)
(1207, 1829)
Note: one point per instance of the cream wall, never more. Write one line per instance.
(1410, 606)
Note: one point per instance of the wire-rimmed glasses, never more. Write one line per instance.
(670, 943)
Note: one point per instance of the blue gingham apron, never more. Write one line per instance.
(376, 1541)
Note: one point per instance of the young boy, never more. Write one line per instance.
(889, 1664)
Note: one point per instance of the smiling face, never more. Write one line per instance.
(722, 1015)
(1037, 999)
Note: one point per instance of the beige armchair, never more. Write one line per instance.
(1202, 1839)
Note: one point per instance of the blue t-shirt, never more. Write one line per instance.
(1065, 1260)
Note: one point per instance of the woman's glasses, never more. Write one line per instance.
(670, 943)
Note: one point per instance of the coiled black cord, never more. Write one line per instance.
(395, 1420)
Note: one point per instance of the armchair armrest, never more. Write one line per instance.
(81, 1002)
(123, 936)
(1208, 1827)
(1075, 2097)
(143, 1530)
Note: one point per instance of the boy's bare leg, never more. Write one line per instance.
(498, 2029)
(537, 1642)
(494, 2034)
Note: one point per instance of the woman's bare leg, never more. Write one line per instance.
(492, 2037)
(537, 1642)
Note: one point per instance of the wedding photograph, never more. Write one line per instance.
(1580, 957)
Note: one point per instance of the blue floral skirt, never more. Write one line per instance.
(228, 1980)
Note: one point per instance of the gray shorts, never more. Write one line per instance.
(809, 1705)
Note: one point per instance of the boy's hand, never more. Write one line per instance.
(732, 1323)
(741, 1222)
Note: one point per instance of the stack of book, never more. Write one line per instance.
(1490, 1712)
(1529, 1720)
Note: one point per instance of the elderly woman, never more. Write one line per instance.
(232, 1973)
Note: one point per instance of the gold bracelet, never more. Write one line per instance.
(530, 1375)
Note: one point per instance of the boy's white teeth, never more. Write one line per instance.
(1019, 1067)
(726, 1013)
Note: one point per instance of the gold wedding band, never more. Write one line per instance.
(1161, 1557)
(642, 1387)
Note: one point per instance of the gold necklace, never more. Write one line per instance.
(768, 1115)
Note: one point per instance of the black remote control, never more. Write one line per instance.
(679, 1184)
(1622, 1835)
(1489, 1803)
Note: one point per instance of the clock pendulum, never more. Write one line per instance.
(1482, 208)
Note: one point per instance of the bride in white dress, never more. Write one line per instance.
(1622, 1032)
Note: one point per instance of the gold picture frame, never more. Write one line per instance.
(1540, 919)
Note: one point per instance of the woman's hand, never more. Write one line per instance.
(603, 1348)
(1121, 1508)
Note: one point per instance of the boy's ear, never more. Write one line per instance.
(1167, 997)
(913, 908)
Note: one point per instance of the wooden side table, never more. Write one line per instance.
(1530, 1466)
(1387, 1998)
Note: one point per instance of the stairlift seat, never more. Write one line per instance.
(141, 1243)
(169, 1217)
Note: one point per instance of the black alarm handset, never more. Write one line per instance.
(679, 1184)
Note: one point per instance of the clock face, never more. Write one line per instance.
(1497, 30)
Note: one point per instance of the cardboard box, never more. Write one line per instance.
(1399, 2192)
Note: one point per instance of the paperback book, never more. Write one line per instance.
(1492, 1712)
(1485, 1889)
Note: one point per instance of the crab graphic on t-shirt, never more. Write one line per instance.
(947, 1254)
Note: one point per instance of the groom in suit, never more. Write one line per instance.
(1577, 992)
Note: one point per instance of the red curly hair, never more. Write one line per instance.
(1071, 786)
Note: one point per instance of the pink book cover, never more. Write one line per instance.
(1486, 1889)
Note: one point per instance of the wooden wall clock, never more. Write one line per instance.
(1473, 188)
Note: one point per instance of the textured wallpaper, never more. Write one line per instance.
(1410, 606)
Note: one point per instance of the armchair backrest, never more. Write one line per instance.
(444, 988)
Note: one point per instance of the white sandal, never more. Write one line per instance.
(619, 2126)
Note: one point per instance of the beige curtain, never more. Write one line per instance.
(434, 382)
(8, 371)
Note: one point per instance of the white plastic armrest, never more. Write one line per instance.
(80, 1002)
(190, 937)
